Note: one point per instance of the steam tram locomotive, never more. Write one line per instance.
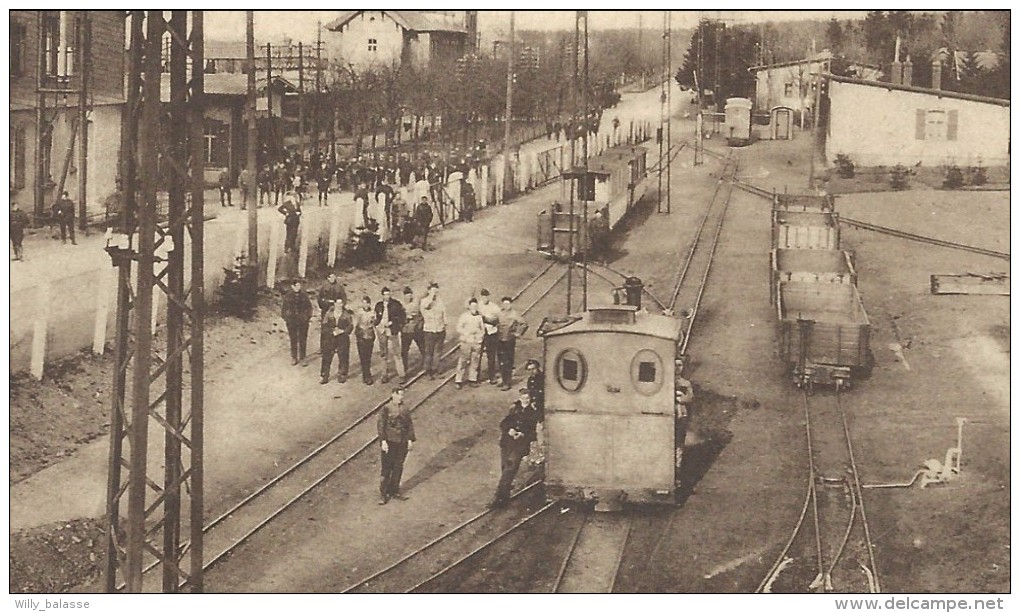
(613, 183)
(615, 414)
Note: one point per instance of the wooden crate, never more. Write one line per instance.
(804, 203)
(810, 265)
(805, 230)
(824, 332)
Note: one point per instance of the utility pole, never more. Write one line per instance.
(85, 62)
(669, 109)
(574, 182)
(509, 109)
(316, 104)
(640, 33)
(663, 117)
(584, 99)
(253, 132)
(301, 99)
(270, 122)
(815, 126)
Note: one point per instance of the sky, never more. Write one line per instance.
(302, 25)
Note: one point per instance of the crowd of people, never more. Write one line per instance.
(392, 325)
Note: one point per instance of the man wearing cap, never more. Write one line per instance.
(536, 389)
(396, 438)
(364, 336)
(389, 319)
(63, 213)
(291, 211)
(19, 221)
(433, 314)
(490, 344)
(296, 312)
(511, 327)
(471, 331)
(517, 431)
(335, 339)
(414, 326)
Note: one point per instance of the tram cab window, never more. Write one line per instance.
(646, 372)
(571, 370)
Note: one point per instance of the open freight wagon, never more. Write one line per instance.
(824, 333)
(810, 265)
(804, 203)
(805, 230)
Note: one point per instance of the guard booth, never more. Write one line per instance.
(738, 122)
(781, 123)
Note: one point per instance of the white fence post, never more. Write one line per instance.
(485, 186)
(274, 250)
(306, 234)
(42, 314)
(106, 279)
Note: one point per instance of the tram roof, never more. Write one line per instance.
(618, 319)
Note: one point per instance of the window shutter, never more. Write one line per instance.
(952, 125)
(919, 134)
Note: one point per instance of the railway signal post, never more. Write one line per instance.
(166, 381)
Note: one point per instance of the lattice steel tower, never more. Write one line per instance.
(162, 148)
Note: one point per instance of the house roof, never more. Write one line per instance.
(941, 93)
(824, 56)
(227, 84)
(414, 21)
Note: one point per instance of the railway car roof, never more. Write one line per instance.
(621, 319)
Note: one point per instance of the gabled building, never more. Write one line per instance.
(789, 84)
(366, 39)
(63, 63)
(884, 124)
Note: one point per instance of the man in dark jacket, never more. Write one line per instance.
(414, 326)
(330, 292)
(335, 338)
(517, 431)
(19, 221)
(422, 220)
(297, 311)
(389, 319)
(468, 204)
(63, 213)
(396, 438)
(291, 212)
(224, 185)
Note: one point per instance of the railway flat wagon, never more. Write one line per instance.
(805, 230)
(824, 333)
(804, 203)
(612, 183)
(614, 427)
(810, 265)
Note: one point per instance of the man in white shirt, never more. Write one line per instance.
(471, 331)
(490, 315)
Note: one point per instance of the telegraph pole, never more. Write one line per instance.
(573, 156)
(669, 109)
(584, 98)
(301, 99)
(85, 61)
(253, 214)
(509, 109)
(271, 123)
(316, 105)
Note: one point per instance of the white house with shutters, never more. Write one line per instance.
(884, 124)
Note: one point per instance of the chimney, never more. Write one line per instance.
(908, 72)
(471, 25)
(936, 75)
(896, 76)
(897, 67)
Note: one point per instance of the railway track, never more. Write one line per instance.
(592, 562)
(232, 528)
(837, 554)
(699, 256)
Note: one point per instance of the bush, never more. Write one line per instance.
(239, 292)
(898, 177)
(844, 166)
(978, 175)
(954, 177)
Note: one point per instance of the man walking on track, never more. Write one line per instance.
(396, 438)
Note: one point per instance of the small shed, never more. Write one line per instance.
(781, 123)
(738, 122)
